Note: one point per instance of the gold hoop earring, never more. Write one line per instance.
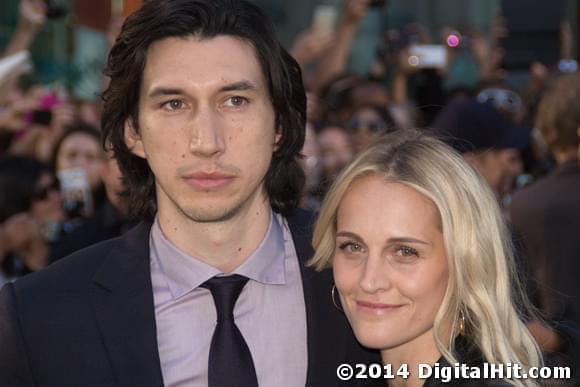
(333, 299)
(461, 323)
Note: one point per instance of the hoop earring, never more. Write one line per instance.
(461, 323)
(333, 299)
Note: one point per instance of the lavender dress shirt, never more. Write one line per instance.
(270, 311)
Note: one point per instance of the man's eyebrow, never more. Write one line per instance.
(163, 91)
(239, 86)
(236, 86)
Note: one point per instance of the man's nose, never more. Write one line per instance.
(206, 133)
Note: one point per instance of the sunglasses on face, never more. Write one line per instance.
(501, 99)
(44, 192)
(372, 126)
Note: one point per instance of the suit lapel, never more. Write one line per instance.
(326, 325)
(122, 298)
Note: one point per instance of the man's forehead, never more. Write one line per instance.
(224, 58)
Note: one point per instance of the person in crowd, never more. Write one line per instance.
(80, 147)
(367, 123)
(30, 215)
(78, 160)
(44, 124)
(310, 163)
(205, 113)
(484, 137)
(546, 213)
(422, 262)
(336, 150)
(111, 218)
(335, 59)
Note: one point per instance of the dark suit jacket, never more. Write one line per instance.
(89, 319)
(547, 216)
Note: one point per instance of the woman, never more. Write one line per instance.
(30, 215)
(78, 160)
(422, 261)
(367, 123)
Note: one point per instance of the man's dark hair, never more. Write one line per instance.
(204, 19)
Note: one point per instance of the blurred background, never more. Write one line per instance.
(497, 78)
(72, 45)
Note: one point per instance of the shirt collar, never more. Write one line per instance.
(185, 273)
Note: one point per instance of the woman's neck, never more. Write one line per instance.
(408, 356)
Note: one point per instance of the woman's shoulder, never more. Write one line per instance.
(470, 370)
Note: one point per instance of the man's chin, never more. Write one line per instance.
(213, 214)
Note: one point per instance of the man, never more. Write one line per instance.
(487, 141)
(546, 214)
(205, 112)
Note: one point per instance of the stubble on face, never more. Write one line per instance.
(204, 130)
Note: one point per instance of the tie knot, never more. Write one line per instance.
(225, 292)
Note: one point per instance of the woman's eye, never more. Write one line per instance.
(351, 247)
(174, 104)
(236, 101)
(407, 252)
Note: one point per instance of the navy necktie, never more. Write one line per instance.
(230, 360)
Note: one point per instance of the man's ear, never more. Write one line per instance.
(277, 138)
(133, 139)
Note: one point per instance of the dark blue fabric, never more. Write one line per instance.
(227, 344)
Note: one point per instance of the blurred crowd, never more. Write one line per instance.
(61, 190)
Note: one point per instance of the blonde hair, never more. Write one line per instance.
(483, 285)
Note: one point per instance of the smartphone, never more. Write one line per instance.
(324, 19)
(428, 56)
(76, 192)
(41, 117)
(55, 9)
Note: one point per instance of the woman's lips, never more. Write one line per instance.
(377, 307)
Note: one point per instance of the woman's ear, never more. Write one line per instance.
(133, 139)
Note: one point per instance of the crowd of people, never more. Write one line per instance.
(401, 140)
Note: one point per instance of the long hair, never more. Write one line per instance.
(204, 19)
(480, 260)
(558, 116)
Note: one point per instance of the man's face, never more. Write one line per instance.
(206, 127)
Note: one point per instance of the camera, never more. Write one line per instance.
(377, 3)
(55, 9)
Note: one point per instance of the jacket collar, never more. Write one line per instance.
(122, 298)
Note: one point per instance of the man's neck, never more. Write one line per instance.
(565, 155)
(224, 245)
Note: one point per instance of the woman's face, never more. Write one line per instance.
(335, 150)
(390, 265)
(367, 125)
(81, 150)
(46, 201)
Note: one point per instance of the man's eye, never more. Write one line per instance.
(236, 101)
(174, 104)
